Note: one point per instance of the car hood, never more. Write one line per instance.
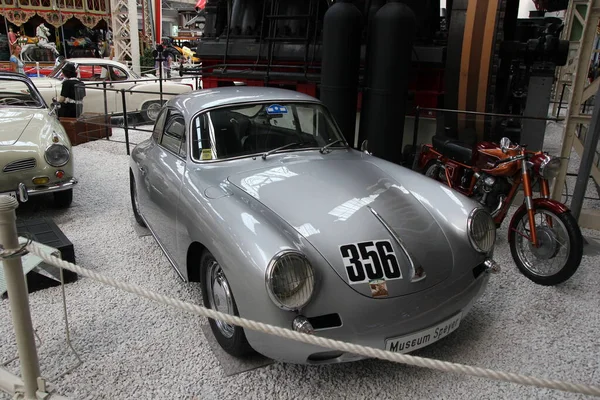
(338, 204)
(14, 121)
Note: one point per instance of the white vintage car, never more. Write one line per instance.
(35, 151)
(145, 96)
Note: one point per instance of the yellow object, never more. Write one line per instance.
(206, 155)
(41, 180)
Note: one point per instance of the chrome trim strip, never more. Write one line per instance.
(163, 250)
(53, 188)
(20, 165)
(413, 268)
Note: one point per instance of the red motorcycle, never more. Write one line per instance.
(545, 239)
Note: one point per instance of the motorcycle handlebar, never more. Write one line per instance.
(507, 160)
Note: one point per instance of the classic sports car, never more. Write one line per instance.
(35, 151)
(145, 97)
(254, 193)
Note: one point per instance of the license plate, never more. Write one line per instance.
(414, 341)
(11, 194)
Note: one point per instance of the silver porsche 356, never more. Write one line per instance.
(254, 193)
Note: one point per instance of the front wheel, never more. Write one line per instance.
(560, 245)
(217, 295)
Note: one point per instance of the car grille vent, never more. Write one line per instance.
(20, 165)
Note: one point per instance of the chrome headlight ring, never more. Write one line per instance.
(481, 230)
(290, 280)
(57, 155)
(550, 167)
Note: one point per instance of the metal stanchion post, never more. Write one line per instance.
(562, 94)
(125, 123)
(19, 298)
(160, 75)
(106, 117)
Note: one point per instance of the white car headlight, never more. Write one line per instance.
(57, 155)
(550, 167)
(290, 280)
(481, 230)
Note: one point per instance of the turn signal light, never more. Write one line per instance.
(54, 139)
(60, 173)
(41, 180)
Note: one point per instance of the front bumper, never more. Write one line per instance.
(24, 192)
(370, 322)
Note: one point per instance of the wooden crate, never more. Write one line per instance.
(86, 128)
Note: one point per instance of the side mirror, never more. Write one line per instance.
(364, 147)
(505, 144)
(54, 108)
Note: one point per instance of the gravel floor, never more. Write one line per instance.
(135, 349)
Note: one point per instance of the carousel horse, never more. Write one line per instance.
(41, 40)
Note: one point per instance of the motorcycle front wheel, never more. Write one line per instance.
(560, 248)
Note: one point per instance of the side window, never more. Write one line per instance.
(200, 138)
(173, 133)
(117, 74)
(159, 125)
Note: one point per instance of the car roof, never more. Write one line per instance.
(193, 102)
(92, 60)
(14, 75)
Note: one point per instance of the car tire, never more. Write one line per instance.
(63, 199)
(231, 338)
(151, 109)
(134, 201)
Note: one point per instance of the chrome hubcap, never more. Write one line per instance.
(153, 110)
(554, 246)
(547, 243)
(219, 296)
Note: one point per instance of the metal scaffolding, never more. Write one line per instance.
(125, 32)
(582, 24)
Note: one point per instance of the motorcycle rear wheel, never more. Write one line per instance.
(560, 246)
(433, 170)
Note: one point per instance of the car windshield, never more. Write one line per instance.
(258, 128)
(17, 93)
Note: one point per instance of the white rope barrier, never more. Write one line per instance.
(320, 341)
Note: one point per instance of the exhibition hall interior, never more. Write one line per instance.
(285, 199)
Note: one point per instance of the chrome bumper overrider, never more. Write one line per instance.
(24, 192)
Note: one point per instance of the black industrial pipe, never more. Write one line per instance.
(342, 31)
(388, 69)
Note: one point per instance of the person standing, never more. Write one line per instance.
(71, 94)
(16, 65)
(12, 39)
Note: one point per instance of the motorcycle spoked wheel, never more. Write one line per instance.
(433, 170)
(560, 246)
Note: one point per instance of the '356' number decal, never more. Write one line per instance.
(367, 261)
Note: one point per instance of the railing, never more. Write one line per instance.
(35, 385)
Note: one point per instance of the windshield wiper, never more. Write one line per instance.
(268, 153)
(331, 144)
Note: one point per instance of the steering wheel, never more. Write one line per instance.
(12, 100)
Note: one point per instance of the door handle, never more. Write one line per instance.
(142, 170)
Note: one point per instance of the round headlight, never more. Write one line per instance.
(482, 230)
(550, 167)
(57, 155)
(290, 280)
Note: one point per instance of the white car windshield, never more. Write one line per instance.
(17, 93)
(258, 128)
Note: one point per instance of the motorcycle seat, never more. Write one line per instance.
(453, 149)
